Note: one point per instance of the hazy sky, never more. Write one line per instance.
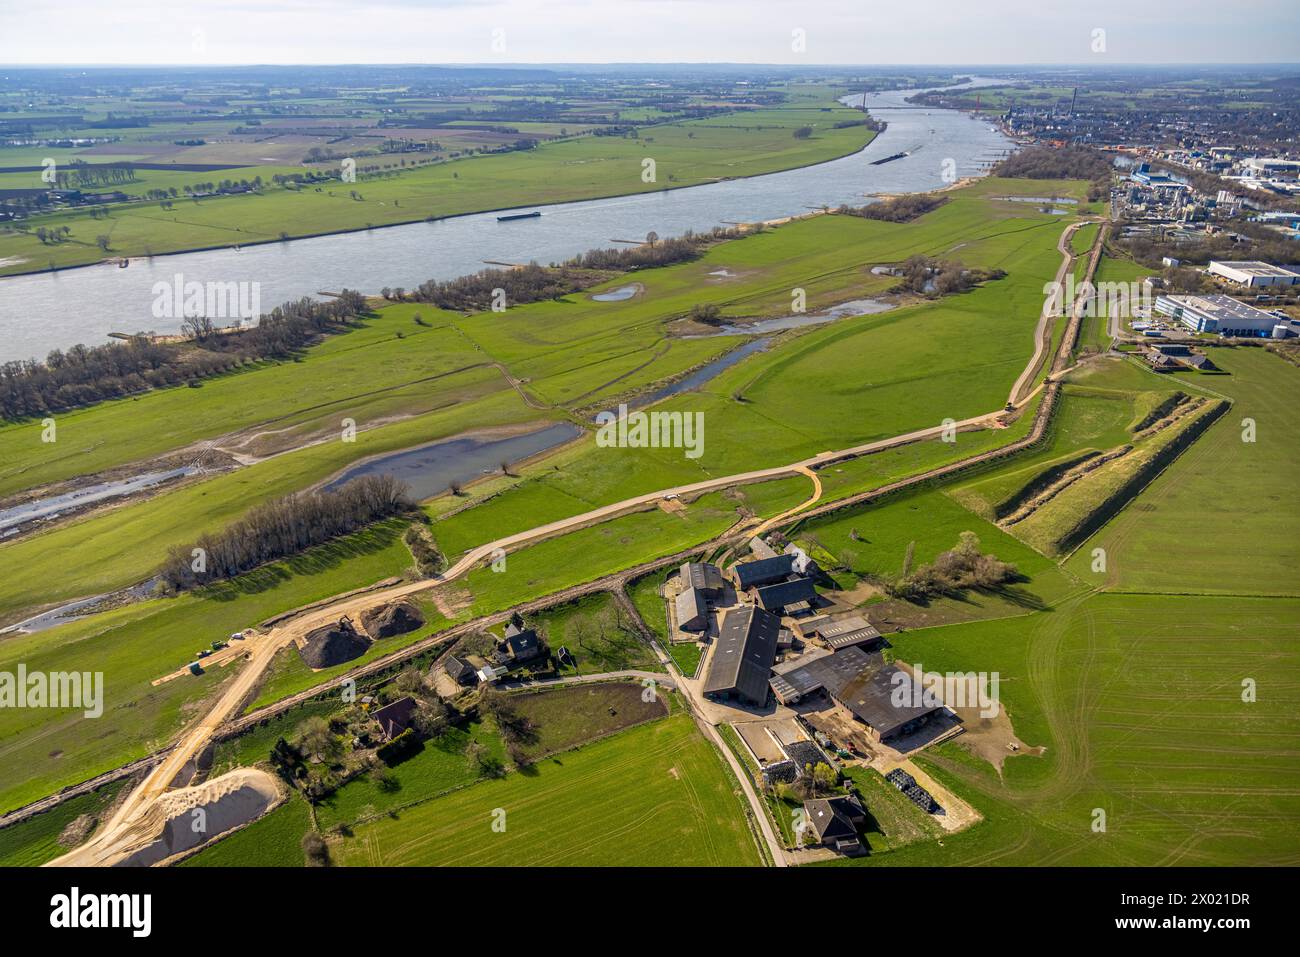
(602, 31)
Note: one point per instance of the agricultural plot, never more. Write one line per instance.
(656, 795)
(686, 153)
(39, 839)
(272, 841)
(598, 636)
(1139, 702)
(1226, 504)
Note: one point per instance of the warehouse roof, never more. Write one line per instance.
(743, 654)
(764, 571)
(777, 596)
(821, 669)
(870, 696)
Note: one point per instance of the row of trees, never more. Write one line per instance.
(535, 282)
(283, 527)
(82, 375)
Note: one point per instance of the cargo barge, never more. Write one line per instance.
(505, 219)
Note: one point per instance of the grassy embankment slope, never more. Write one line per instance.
(1136, 678)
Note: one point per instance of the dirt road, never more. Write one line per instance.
(103, 845)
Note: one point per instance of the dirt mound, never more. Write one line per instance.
(332, 645)
(388, 620)
(181, 820)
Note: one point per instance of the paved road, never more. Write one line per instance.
(103, 846)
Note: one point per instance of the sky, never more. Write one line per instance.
(858, 32)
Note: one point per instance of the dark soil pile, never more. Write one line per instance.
(332, 645)
(395, 619)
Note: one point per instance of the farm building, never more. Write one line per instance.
(835, 821)
(820, 670)
(702, 577)
(460, 670)
(870, 697)
(764, 571)
(847, 632)
(742, 656)
(788, 597)
(520, 645)
(395, 718)
(692, 611)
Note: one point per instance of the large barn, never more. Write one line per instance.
(742, 656)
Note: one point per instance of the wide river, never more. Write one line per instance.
(56, 310)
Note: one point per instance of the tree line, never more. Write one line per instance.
(83, 375)
(897, 209)
(283, 527)
(534, 282)
(1067, 162)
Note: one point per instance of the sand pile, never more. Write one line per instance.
(388, 620)
(332, 645)
(182, 820)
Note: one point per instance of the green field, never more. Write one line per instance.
(1135, 680)
(36, 840)
(272, 841)
(656, 795)
(686, 153)
(1138, 700)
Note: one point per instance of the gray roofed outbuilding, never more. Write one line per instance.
(702, 576)
(781, 595)
(742, 656)
(692, 612)
(764, 572)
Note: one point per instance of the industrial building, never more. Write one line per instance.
(742, 657)
(1254, 274)
(1221, 314)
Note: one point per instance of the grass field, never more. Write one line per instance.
(36, 840)
(272, 841)
(597, 635)
(656, 795)
(1136, 680)
(1138, 699)
(685, 153)
(1227, 502)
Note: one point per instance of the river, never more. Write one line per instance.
(56, 310)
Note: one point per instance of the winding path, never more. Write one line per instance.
(105, 846)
